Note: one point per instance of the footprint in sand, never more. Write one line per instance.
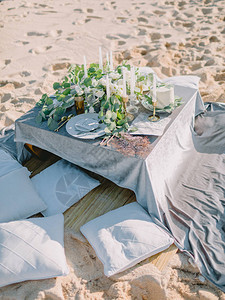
(124, 36)
(142, 20)
(34, 33)
(22, 43)
(60, 66)
(120, 43)
(40, 50)
(7, 61)
(78, 10)
(11, 85)
(111, 37)
(5, 97)
(25, 74)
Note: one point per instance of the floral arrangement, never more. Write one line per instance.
(105, 98)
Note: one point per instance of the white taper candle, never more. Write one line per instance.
(107, 87)
(100, 58)
(132, 81)
(154, 89)
(85, 67)
(124, 83)
(107, 58)
(111, 61)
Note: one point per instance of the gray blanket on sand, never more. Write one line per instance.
(193, 207)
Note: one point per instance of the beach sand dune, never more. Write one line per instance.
(40, 39)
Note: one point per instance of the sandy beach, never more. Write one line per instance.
(40, 39)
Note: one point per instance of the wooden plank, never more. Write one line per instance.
(161, 259)
(104, 198)
(99, 201)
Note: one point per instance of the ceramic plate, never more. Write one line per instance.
(167, 109)
(95, 133)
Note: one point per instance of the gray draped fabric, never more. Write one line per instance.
(194, 201)
(180, 181)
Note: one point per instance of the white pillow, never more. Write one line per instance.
(185, 80)
(125, 236)
(32, 249)
(18, 197)
(7, 163)
(61, 185)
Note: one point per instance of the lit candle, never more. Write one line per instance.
(124, 83)
(107, 87)
(85, 67)
(111, 61)
(154, 89)
(100, 58)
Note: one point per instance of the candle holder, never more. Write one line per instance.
(79, 105)
(129, 116)
(154, 117)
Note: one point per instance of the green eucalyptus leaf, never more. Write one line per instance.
(38, 118)
(52, 112)
(52, 124)
(114, 116)
(56, 117)
(116, 106)
(106, 105)
(60, 111)
(107, 121)
(112, 126)
(87, 82)
(108, 114)
(107, 131)
(121, 122)
(66, 85)
(101, 114)
(91, 70)
(56, 86)
(67, 91)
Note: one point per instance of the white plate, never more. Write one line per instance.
(70, 127)
(148, 106)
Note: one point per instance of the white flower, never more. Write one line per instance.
(91, 110)
(113, 88)
(102, 81)
(114, 75)
(99, 93)
(79, 90)
(94, 82)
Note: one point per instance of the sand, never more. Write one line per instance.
(40, 39)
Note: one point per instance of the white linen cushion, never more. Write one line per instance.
(18, 197)
(32, 249)
(7, 163)
(125, 236)
(61, 185)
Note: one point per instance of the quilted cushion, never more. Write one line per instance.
(125, 236)
(32, 249)
(61, 185)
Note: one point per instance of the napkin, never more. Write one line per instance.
(146, 127)
(86, 125)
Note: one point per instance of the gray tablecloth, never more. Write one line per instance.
(130, 172)
(180, 181)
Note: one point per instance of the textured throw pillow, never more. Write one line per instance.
(18, 197)
(7, 163)
(32, 249)
(125, 236)
(61, 185)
